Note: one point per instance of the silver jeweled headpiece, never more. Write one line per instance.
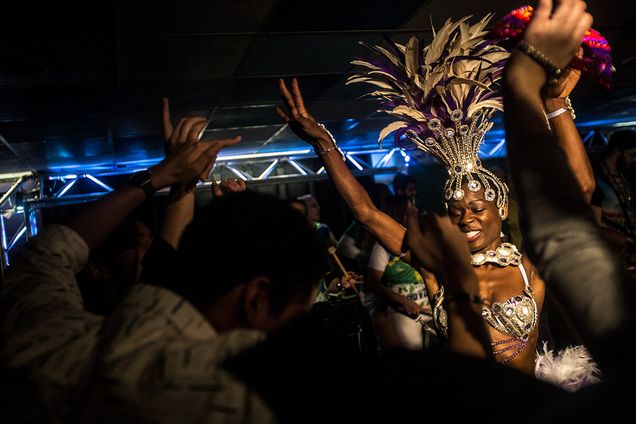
(442, 94)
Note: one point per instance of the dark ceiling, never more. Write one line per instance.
(81, 82)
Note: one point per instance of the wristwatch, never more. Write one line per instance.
(142, 180)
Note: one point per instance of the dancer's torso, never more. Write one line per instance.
(500, 285)
(504, 284)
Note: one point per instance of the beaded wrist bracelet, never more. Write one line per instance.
(553, 71)
(322, 152)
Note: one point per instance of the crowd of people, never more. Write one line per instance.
(217, 314)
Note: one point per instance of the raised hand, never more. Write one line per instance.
(558, 35)
(298, 118)
(187, 130)
(441, 248)
(173, 136)
(421, 243)
(188, 161)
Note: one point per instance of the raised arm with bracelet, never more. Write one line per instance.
(377, 223)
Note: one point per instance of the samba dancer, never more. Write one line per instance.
(443, 95)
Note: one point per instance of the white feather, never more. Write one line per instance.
(389, 129)
(570, 369)
(410, 112)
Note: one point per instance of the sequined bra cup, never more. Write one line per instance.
(516, 317)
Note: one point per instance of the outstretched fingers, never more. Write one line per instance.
(185, 134)
(282, 114)
(195, 131)
(211, 150)
(166, 124)
(287, 97)
(174, 137)
(298, 98)
(205, 175)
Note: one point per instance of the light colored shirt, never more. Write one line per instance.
(156, 358)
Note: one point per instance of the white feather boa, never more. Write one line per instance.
(570, 369)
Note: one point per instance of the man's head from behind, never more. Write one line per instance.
(251, 261)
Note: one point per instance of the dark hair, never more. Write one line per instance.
(621, 140)
(395, 207)
(401, 180)
(244, 235)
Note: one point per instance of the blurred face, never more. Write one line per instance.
(313, 209)
(410, 191)
(477, 218)
(629, 157)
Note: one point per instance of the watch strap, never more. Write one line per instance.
(143, 181)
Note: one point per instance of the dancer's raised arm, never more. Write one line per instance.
(377, 223)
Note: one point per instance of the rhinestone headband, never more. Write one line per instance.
(457, 150)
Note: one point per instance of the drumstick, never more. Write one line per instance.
(208, 120)
(332, 252)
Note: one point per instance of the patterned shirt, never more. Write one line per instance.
(155, 359)
(400, 277)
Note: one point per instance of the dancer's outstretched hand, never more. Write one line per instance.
(298, 118)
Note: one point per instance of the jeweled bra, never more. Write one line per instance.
(516, 317)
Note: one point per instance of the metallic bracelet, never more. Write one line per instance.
(462, 296)
(553, 71)
(562, 110)
(322, 152)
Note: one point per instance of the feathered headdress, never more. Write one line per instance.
(597, 53)
(443, 98)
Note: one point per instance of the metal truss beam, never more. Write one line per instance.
(15, 222)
